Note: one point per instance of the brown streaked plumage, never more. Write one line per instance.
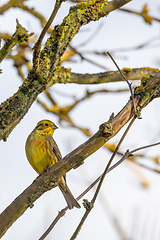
(42, 151)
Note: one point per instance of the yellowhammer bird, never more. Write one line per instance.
(42, 151)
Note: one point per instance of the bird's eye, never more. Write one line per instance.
(46, 124)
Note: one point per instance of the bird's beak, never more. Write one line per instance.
(54, 126)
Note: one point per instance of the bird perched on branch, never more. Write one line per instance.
(42, 151)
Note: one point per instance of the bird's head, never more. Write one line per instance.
(46, 127)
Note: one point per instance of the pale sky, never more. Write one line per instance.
(136, 208)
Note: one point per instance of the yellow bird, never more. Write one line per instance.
(42, 151)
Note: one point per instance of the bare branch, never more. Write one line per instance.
(110, 76)
(73, 160)
(47, 180)
(129, 84)
(143, 13)
(13, 109)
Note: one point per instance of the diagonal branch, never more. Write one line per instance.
(74, 159)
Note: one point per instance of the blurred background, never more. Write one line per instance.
(128, 205)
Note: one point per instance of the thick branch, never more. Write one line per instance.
(13, 109)
(61, 36)
(74, 159)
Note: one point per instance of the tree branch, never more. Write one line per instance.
(14, 109)
(19, 36)
(37, 46)
(74, 159)
(144, 14)
(110, 76)
(49, 179)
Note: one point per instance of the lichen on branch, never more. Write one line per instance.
(20, 35)
(13, 109)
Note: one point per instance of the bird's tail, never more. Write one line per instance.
(71, 201)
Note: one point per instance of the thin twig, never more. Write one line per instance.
(112, 157)
(94, 34)
(144, 166)
(127, 154)
(88, 60)
(140, 14)
(129, 84)
(90, 205)
(60, 214)
(37, 46)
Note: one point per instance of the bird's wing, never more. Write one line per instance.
(54, 148)
(55, 151)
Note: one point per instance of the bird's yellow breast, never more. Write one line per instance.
(39, 152)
